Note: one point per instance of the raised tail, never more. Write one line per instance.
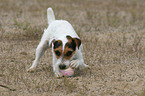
(50, 15)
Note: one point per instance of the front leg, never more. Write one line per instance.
(56, 70)
(39, 52)
(78, 63)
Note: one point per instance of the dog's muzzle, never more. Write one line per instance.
(63, 64)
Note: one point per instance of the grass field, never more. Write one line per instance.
(113, 36)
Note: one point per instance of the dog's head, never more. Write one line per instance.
(64, 49)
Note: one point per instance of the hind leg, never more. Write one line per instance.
(43, 45)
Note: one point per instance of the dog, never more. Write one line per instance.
(66, 45)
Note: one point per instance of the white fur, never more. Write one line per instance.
(58, 30)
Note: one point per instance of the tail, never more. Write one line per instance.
(50, 15)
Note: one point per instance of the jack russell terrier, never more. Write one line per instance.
(66, 45)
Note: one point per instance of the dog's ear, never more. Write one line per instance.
(77, 41)
(51, 41)
(69, 37)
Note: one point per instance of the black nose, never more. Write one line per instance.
(62, 66)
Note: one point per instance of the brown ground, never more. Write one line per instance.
(113, 35)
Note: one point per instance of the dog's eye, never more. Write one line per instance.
(68, 53)
(57, 53)
(57, 44)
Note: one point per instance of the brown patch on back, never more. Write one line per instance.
(57, 48)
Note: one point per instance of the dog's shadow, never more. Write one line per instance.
(85, 72)
(46, 69)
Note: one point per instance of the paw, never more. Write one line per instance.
(86, 66)
(58, 75)
(74, 64)
(31, 69)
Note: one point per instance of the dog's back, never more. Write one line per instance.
(57, 28)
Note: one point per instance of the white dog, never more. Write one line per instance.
(66, 45)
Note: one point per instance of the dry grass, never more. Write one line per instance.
(113, 31)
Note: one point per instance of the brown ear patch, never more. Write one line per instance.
(57, 48)
(70, 46)
(71, 43)
(68, 37)
(74, 40)
(78, 42)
